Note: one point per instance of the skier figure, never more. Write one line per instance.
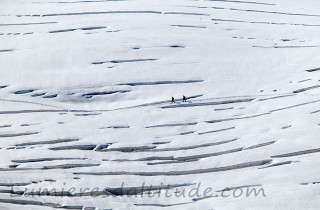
(184, 99)
(172, 100)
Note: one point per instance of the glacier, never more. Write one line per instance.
(86, 119)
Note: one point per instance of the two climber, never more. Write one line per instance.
(184, 99)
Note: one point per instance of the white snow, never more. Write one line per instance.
(85, 91)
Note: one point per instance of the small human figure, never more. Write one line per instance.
(184, 99)
(172, 100)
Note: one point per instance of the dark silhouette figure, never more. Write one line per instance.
(184, 99)
(172, 100)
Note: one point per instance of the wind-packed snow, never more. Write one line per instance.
(85, 112)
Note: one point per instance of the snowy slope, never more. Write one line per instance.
(85, 89)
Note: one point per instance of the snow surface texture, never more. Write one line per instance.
(85, 90)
